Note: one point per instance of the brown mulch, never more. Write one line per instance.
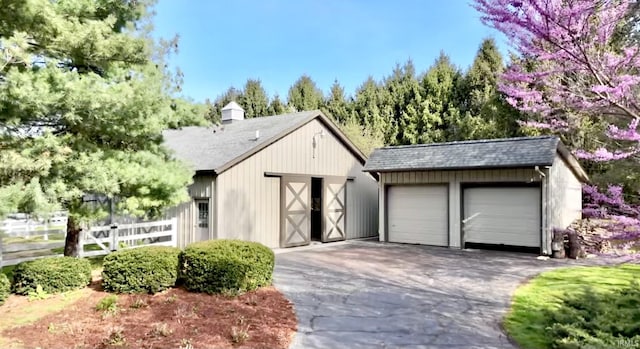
(171, 319)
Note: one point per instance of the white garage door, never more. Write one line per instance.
(502, 216)
(418, 215)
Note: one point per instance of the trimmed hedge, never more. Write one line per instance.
(53, 274)
(146, 269)
(218, 266)
(5, 288)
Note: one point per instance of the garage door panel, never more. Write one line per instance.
(418, 214)
(502, 216)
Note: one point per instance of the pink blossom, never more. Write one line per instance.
(569, 65)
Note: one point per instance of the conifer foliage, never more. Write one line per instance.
(84, 98)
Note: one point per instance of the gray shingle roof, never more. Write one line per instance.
(494, 153)
(207, 150)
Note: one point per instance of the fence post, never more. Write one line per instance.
(80, 247)
(114, 237)
(174, 231)
(1, 236)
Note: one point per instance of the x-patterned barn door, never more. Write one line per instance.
(334, 193)
(295, 211)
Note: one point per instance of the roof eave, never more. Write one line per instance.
(457, 168)
(573, 163)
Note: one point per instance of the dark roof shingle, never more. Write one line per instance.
(493, 153)
(206, 150)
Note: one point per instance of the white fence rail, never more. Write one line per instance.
(29, 245)
(25, 245)
(102, 240)
(29, 228)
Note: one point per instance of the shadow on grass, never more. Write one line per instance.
(578, 308)
(593, 319)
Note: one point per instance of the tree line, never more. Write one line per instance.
(443, 103)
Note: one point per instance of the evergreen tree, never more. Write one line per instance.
(84, 101)
(305, 95)
(212, 112)
(276, 107)
(403, 98)
(489, 115)
(441, 111)
(365, 139)
(254, 99)
(336, 104)
(370, 111)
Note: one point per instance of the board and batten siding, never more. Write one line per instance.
(455, 180)
(201, 188)
(248, 203)
(565, 195)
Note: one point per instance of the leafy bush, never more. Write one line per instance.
(5, 288)
(229, 266)
(52, 274)
(593, 319)
(146, 269)
(108, 304)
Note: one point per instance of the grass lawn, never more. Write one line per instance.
(560, 294)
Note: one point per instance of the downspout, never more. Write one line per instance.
(545, 212)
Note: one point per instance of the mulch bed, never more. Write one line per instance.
(171, 319)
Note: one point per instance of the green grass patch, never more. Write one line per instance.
(578, 307)
(33, 311)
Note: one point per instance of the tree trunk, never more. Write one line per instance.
(72, 239)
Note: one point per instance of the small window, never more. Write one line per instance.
(203, 214)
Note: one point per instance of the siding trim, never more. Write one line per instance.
(282, 174)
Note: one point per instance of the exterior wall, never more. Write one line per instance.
(202, 188)
(248, 203)
(565, 195)
(455, 180)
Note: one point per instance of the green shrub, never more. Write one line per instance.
(52, 274)
(146, 269)
(108, 304)
(591, 319)
(5, 288)
(229, 266)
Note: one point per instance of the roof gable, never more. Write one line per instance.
(219, 148)
(492, 153)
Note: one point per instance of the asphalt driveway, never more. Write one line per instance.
(373, 295)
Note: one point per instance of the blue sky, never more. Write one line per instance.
(225, 42)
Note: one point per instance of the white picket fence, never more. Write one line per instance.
(22, 246)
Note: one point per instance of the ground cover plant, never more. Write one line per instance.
(578, 307)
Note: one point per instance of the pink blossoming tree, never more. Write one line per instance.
(573, 66)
